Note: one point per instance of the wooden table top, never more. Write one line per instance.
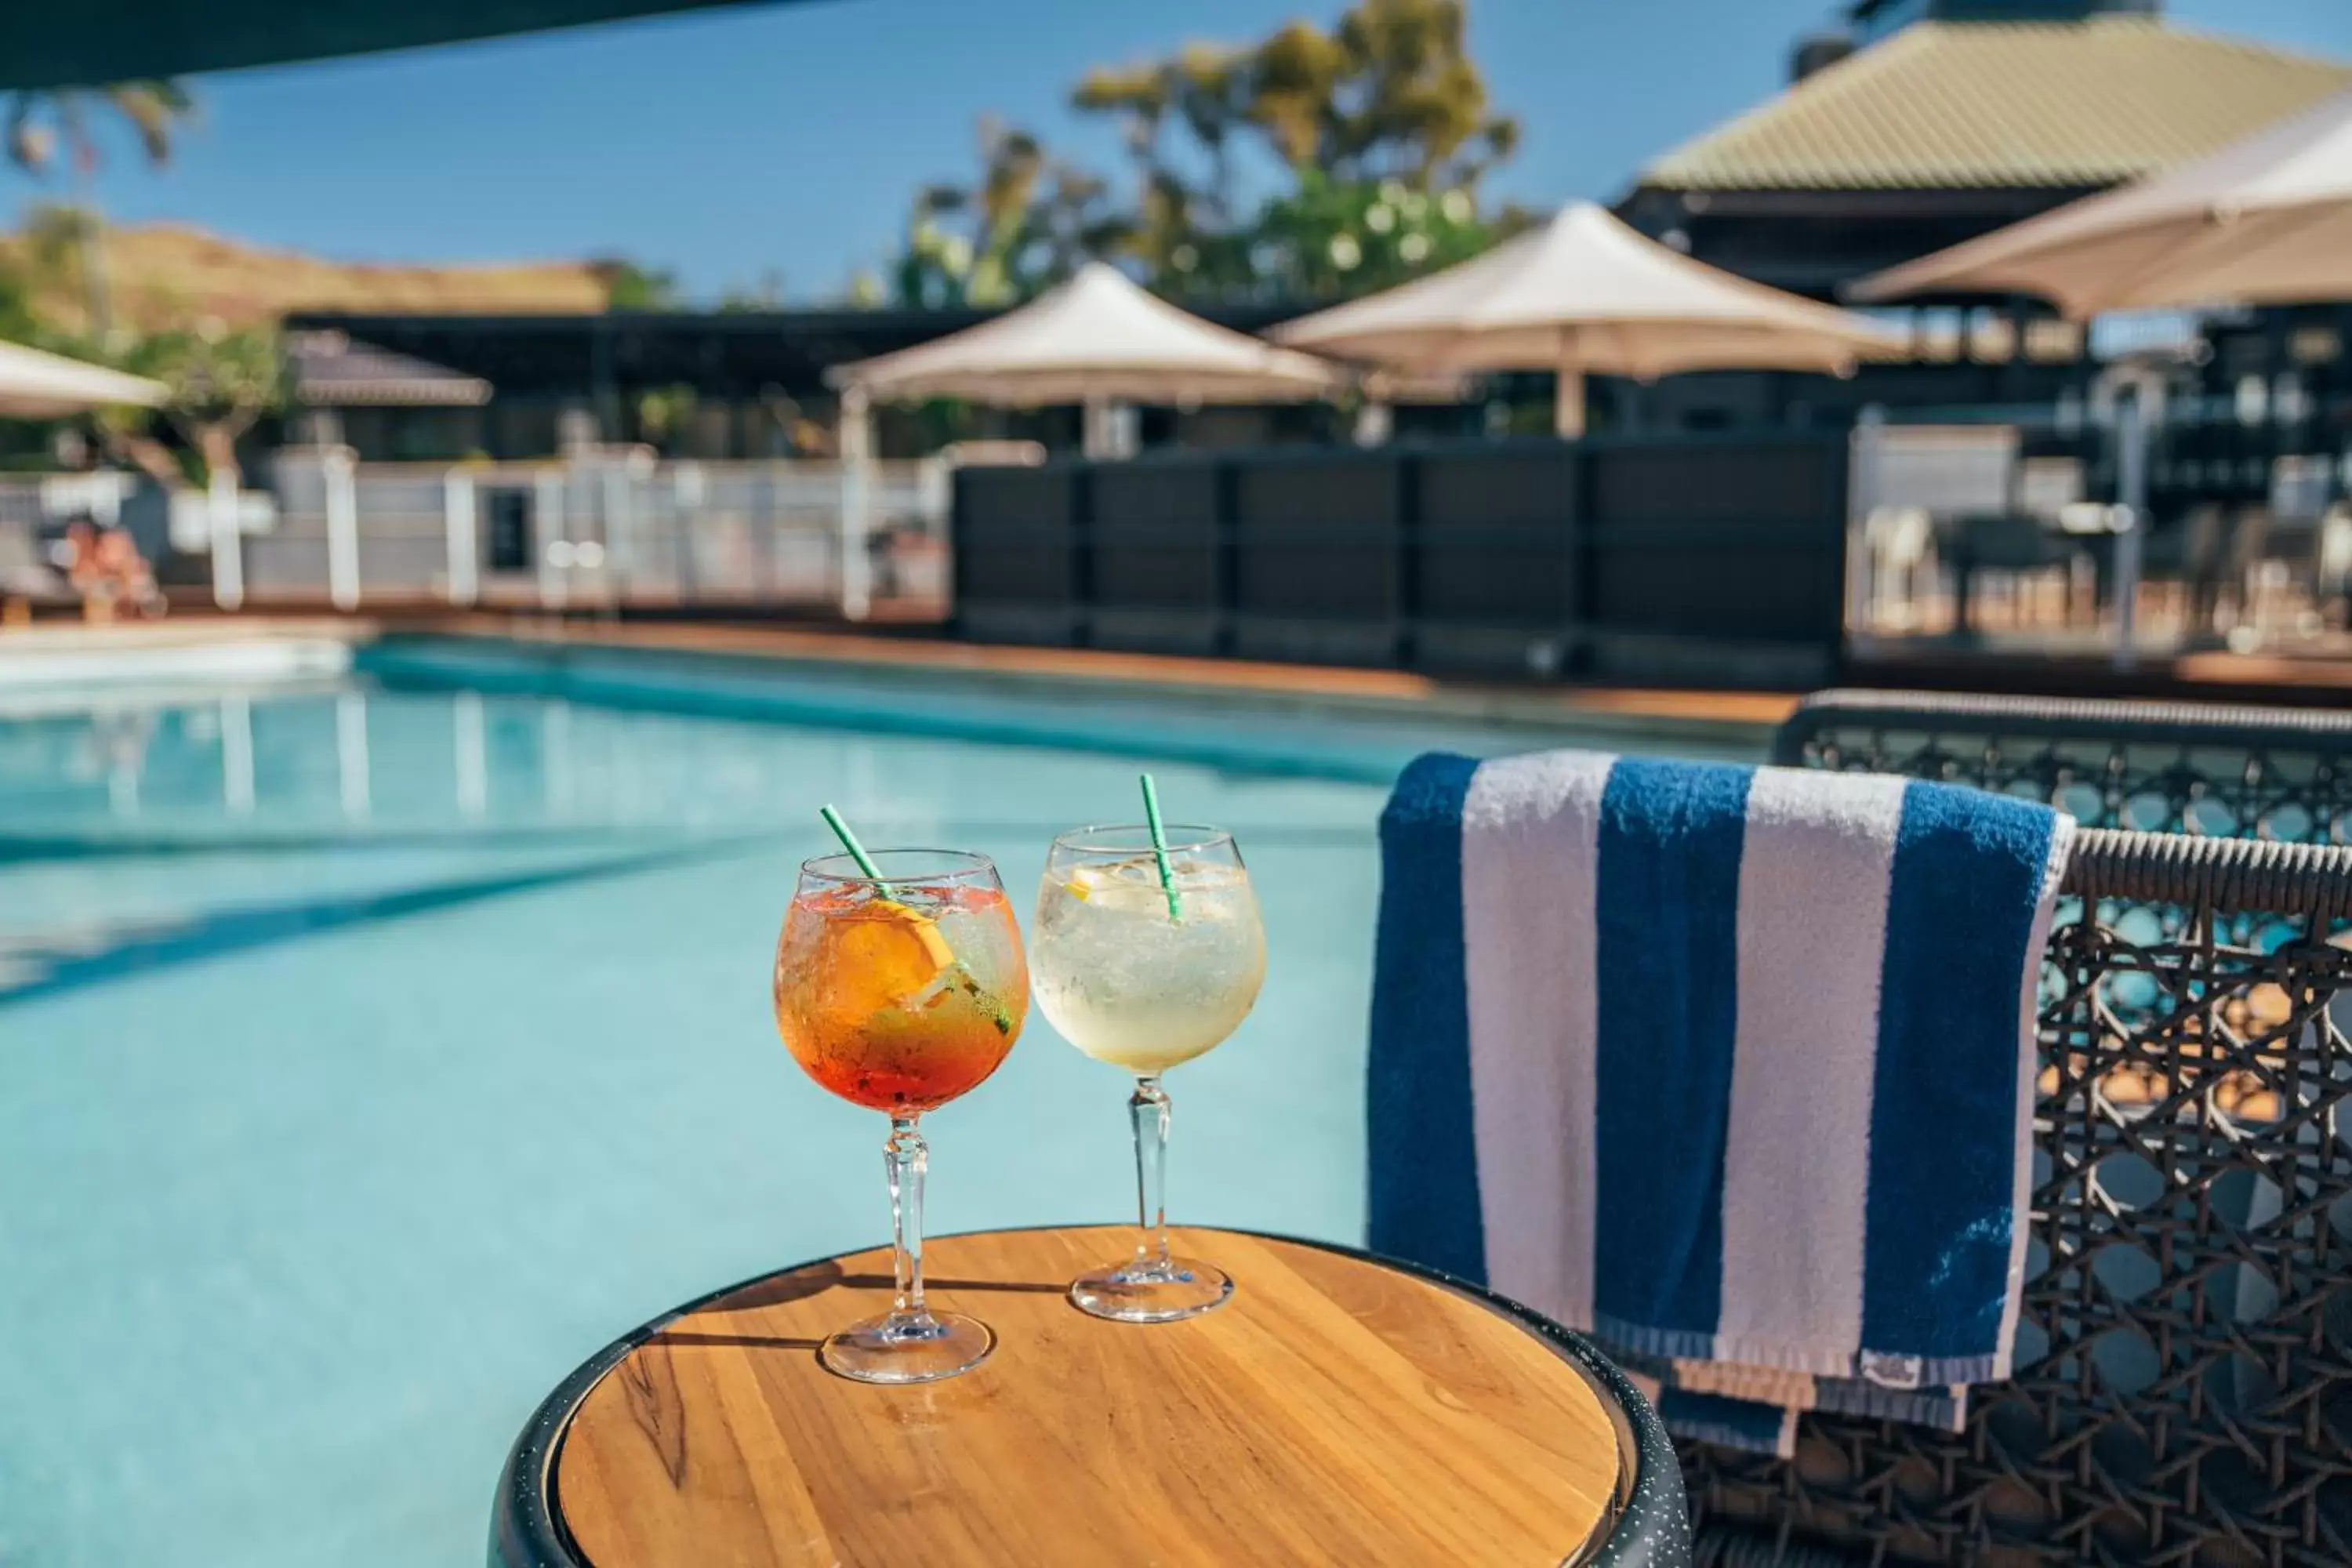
(1336, 1410)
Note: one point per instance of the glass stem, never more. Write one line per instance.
(908, 1157)
(1149, 1109)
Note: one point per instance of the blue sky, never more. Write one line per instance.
(790, 137)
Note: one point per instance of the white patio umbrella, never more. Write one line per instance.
(1583, 295)
(35, 384)
(1097, 339)
(2267, 221)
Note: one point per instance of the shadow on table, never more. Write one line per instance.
(799, 1284)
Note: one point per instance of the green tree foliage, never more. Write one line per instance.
(44, 124)
(1314, 163)
(1026, 223)
(629, 287)
(221, 382)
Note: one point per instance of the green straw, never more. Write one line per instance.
(857, 851)
(1159, 846)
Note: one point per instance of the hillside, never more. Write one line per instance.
(164, 273)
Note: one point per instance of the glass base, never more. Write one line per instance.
(1152, 1292)
(894, 1349)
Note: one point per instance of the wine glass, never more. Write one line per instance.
(900, 985)
(1145, 972)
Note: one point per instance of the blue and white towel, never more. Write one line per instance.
(1729, 1066)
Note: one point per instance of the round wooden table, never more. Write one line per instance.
(1340, 1408)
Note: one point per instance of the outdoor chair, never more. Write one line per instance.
(2279, 774)
(2018, 543)
(2184, 1391)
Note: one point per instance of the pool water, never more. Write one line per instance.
(369, 1058)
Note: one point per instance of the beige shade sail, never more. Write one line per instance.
(2268, 221)
(1585, 294)
(35, 385)
(1098, 338)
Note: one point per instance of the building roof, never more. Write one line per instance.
(332, 371)
(1944, 105)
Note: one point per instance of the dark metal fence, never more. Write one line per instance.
(2184, 1385)
(1702, 558)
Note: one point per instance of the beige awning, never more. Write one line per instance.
(1097, 338)
(35, 385)
(2268, 221)
(1586, 295)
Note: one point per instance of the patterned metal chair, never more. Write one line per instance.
(2278, 773)
(2185, 1387)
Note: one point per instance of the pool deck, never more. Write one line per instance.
(216, 647)
(197, 647)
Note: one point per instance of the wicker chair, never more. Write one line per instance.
(2185, 1390)
(2167, 767)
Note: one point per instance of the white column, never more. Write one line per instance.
(554, 550)
(856, 447)
(1107, 429)
(339, 470)
(228, 541)
(351, 753)
(464, 548)
(1375, 422)
(1865, 449)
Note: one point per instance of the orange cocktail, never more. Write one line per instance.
(899, 985)
(900, 1003)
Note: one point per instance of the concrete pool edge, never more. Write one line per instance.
(898, 695)
(40, 660)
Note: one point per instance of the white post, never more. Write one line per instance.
(1375, 422)
(685, 497)
(554, 551)
(464, 551)
(1100, 433)
(856, 445)
(228, 541)
(2131, 511)
(1863, 588)
(342, 529)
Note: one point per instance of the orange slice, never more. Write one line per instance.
(883, 956)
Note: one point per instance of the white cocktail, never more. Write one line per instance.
(1144, 970)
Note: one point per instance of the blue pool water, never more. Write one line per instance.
(370, 1055)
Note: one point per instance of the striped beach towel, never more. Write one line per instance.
(1728, 1066)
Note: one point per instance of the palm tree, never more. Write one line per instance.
(44, 122)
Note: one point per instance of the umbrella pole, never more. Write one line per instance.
(1567, 402)
(2131, 519)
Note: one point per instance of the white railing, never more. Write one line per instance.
(601, 526)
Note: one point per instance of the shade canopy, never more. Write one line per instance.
(1585, 293)
(2268, 221)
(89, 41)
(1097, 338)
(35, 384)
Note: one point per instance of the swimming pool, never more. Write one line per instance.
(372, 1050)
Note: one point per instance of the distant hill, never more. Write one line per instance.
(168, 273)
